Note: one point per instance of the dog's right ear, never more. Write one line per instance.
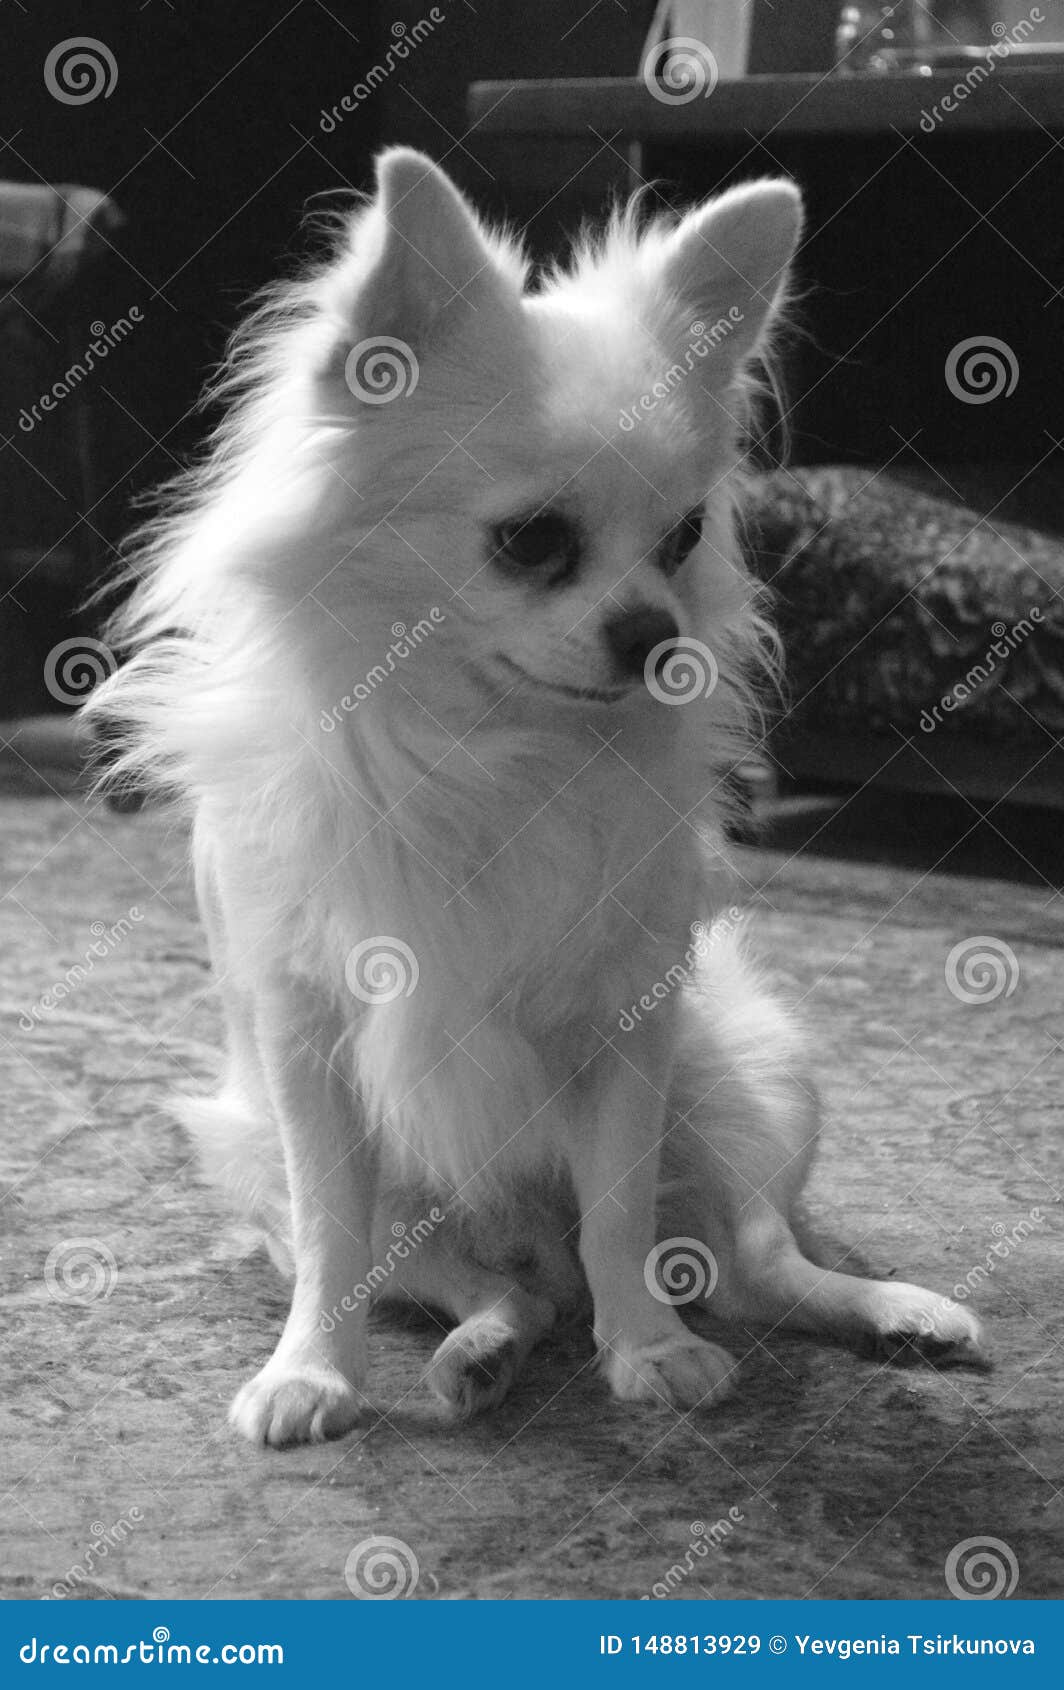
(421, 260)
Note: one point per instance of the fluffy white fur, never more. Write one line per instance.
(534, 829)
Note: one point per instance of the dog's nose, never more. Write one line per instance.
(633, 636)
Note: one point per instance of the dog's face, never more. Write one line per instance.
(547, 467)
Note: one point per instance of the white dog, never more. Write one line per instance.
(449, 649)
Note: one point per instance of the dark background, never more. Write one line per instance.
(211, 147)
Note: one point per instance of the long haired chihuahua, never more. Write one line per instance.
(450, 652)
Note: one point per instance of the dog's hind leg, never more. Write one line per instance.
(499, 1324)
(735, 1165)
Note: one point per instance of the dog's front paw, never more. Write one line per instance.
(682, 1371)
(295, 1404)
(910, 1324)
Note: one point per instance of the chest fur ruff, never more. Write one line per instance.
(484, 997)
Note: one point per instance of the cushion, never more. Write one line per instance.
(900, 608)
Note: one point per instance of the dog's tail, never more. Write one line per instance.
(241, 1155)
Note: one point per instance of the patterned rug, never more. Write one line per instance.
(132, 1306)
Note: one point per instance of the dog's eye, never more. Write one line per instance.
(535, 542)
(680, 541)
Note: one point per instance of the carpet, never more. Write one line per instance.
(133, 1306)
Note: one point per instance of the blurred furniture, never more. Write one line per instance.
(925, 642)
(52, 241)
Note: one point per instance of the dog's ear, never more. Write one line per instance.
(423, 259)
(727, 261)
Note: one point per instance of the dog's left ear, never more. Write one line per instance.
(427, 260)
(727, 264)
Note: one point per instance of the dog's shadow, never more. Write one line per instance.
(833, 1461)
(778, 1374)
(788, 1390)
